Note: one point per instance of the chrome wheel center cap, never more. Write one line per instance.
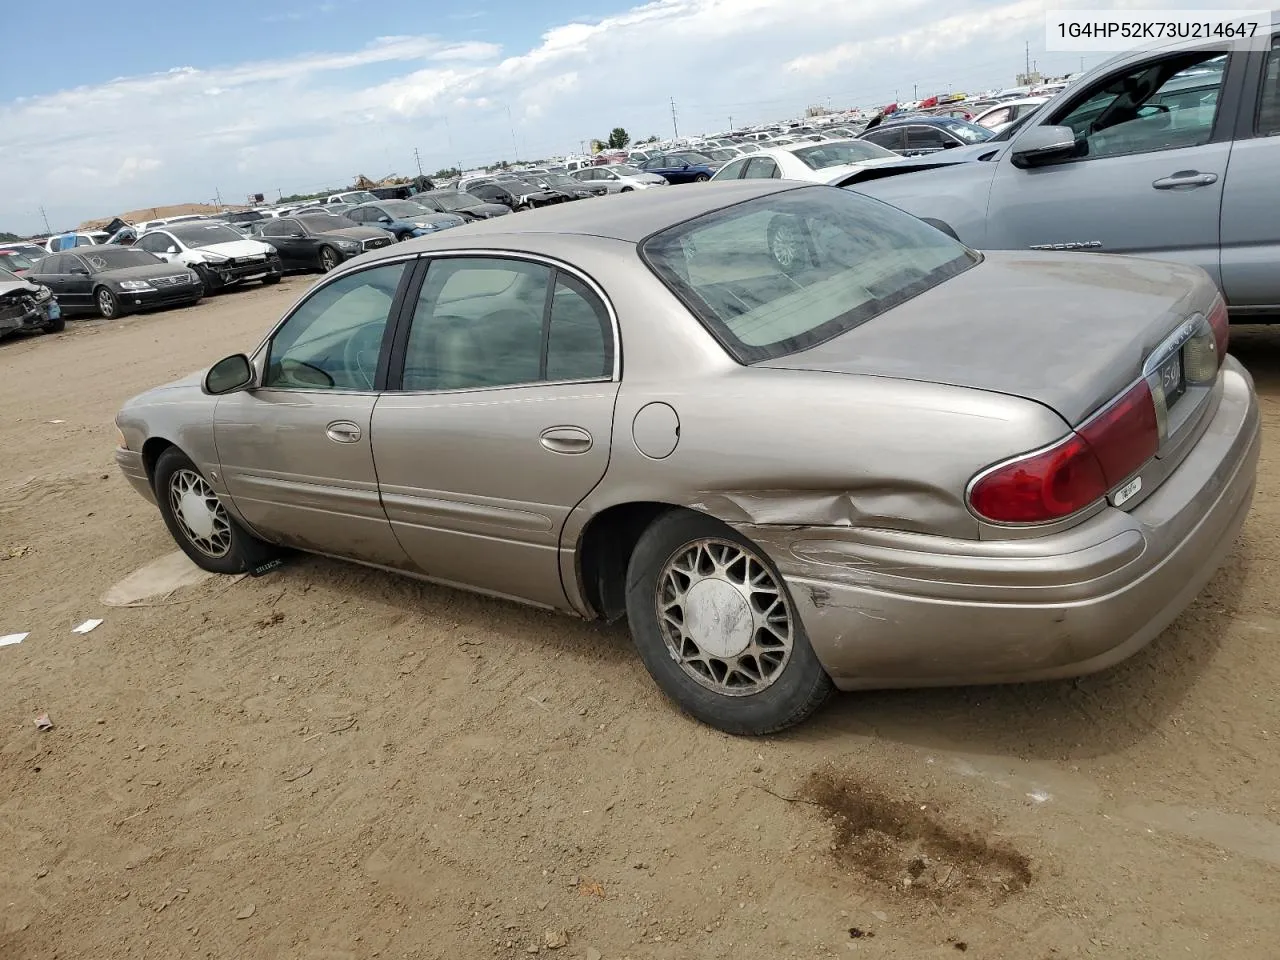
(718, 618)
(197, 515)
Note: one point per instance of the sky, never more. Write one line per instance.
(117, 110)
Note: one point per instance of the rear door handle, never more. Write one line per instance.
(565, 440)
(1185, 178)
(343, 431)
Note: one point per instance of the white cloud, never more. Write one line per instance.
(316, 120)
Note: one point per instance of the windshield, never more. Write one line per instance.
(690, 156)
(456, 201)
(837, 153)
(626, 170)
(205, 234)
(858, 258)
(7, 277)
(966, 131)
(325, 222)
(116, 258)
(359, 196)
(722, 154)
(403, 209)
(559, 180)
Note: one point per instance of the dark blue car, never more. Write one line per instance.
(922, 135)
(403, 218)
(685, 166)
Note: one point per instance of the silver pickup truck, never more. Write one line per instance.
(1170, 152)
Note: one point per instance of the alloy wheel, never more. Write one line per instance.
(328, 260)
(725, 618)
(200, 515)
(106, 303)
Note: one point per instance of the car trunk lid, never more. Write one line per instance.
(1070, 332)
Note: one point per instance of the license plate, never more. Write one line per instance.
(1172, 380)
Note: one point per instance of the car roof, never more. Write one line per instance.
(629, 217)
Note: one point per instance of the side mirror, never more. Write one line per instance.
(384, 219)
(1041, 145)
(228, 375)
(949, 144)
(79, 271)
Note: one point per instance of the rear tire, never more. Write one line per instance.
(198, 521)
(717, 630)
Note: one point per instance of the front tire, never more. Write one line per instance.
(272, 280)
(56, 326)
(208, 280)
(701, 178)
(107, 303)
(328, 259)
(717, 630)
(198, 521)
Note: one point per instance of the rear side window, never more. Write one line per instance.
(1268, 124)
(785, 272)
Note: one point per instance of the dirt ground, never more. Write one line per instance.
(329, 762)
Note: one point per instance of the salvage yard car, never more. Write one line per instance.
(320, 241)
(114, 280)
(219, 254)
(1169, 152)
(896, 462)
(26, 306)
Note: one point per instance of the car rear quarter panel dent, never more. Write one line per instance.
(767, 447)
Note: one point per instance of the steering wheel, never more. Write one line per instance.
(360, 354)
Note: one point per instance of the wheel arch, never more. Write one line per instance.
(152, 449)
(604, 549)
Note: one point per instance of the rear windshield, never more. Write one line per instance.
(785, 272)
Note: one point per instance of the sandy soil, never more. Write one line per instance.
(329, 762)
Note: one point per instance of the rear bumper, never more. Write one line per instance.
(131, 465)
(886, 609)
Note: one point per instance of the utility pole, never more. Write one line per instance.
(675, 130)
(1028, 58)
(218, 193)
(419, 161)
(915, 91)
(731, 123)
(512, 124)
(44, 216)
(1082, 64)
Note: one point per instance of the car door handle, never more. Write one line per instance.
(1185, 178)
(565, 440)
(343, 431)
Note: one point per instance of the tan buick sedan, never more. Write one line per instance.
(800, 439)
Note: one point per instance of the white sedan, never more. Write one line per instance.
(221, 255)
(815, 162)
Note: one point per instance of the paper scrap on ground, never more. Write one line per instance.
(87, 626)
(57, 421)
(43, 722)
(10, 638)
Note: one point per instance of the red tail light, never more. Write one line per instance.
(1221, 324)
(1078, 470)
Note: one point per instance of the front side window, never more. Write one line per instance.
(925, 138)
(787, 271)
(332, 341)
(484, 322)
(889, 139)
(1165, 105)
(154, 243)
(732, 171)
